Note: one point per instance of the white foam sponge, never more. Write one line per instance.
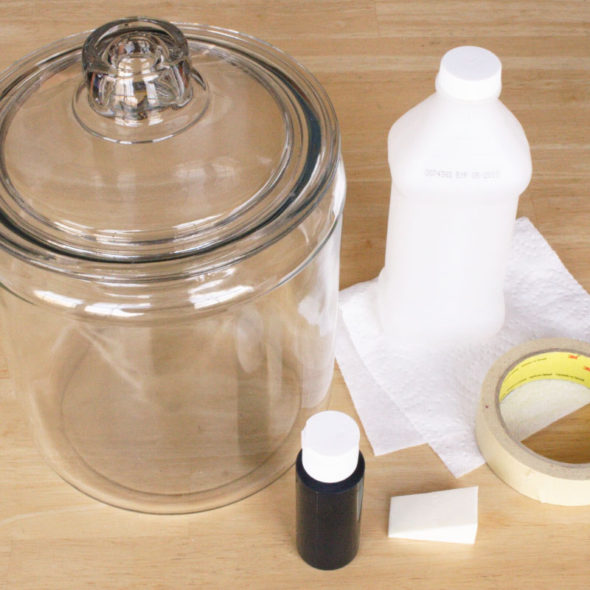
(449, 516)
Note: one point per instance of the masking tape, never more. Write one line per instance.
(538, 477)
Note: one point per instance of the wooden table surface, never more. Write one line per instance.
(376, 58)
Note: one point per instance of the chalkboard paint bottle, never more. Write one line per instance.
(329, 490)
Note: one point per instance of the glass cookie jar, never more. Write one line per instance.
(170, 217)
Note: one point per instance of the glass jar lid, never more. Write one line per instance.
(148, 142)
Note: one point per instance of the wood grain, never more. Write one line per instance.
(376, 58)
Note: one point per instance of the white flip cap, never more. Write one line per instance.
(330, 446)
(470, 73)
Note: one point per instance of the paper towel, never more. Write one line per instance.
(405, 398)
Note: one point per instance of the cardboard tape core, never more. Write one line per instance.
(531, 474)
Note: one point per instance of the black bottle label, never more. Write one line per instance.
(328, 517)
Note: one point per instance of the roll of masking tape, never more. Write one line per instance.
(538, 477)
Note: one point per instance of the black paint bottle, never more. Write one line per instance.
(330, 472)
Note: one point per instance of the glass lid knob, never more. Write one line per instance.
(139, 83)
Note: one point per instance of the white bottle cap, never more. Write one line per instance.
(470, 73)
(330, 446)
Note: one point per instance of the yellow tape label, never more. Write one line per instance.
(569, 366)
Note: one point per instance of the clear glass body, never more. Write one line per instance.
(183, 414)
(170, 274)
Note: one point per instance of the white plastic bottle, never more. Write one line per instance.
(459, 161)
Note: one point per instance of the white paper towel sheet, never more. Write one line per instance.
(405, 398)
